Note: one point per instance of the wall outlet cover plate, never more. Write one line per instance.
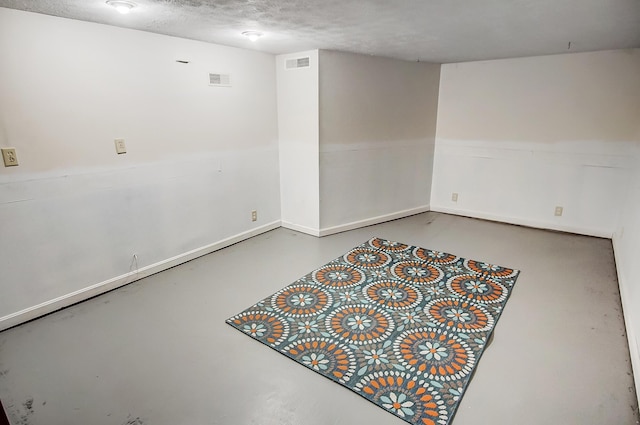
(9, 157)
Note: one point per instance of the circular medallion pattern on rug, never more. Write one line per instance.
(386, 245)
(338, 276)
(263, 326)
(301, 300)
(404, 396)
(360, 324)
(489, 270)
(402, 325)
(478, 288)
(324, 356)
(461, 314)
(367, 258)
(437, 257)
(392, 294)
(417, 272)
(435, 353)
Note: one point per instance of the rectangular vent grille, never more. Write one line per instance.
(220, 80)
(297, 63)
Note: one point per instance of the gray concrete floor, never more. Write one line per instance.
(159, 352)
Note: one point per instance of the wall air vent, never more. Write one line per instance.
(219, 80)
(297, 63)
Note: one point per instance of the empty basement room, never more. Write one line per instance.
(304, 213)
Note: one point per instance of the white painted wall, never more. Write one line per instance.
(517, 137)
(377, 130)
(299, 143)
(626, 242)
(199, 158)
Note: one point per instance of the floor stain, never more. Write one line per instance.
(22, 416)
(133, 421)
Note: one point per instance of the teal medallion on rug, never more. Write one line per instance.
(400, 325)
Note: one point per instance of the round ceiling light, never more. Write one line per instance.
(252, 35)
(121, 6)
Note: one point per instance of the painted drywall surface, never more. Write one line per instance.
(199, 158)
(299, 142)
(377, 129)
(572, 97)
(626, 243)
(516, 138)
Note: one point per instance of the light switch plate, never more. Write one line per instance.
(9, 157)
(120, 146)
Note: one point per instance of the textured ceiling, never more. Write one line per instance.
(426, 30)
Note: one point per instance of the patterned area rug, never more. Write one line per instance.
(400, 325)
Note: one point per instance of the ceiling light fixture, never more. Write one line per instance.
(252, 35)
(121, 6)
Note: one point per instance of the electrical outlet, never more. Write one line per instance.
(254, 215)
(9, 156)
(120, 146)
(454, 197)
(558, 211)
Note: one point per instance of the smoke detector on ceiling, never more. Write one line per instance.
(121, 6)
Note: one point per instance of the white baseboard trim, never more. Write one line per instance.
(110, 284)
(600, 233)
(374, 220)
(298, 228)
(634, 350)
